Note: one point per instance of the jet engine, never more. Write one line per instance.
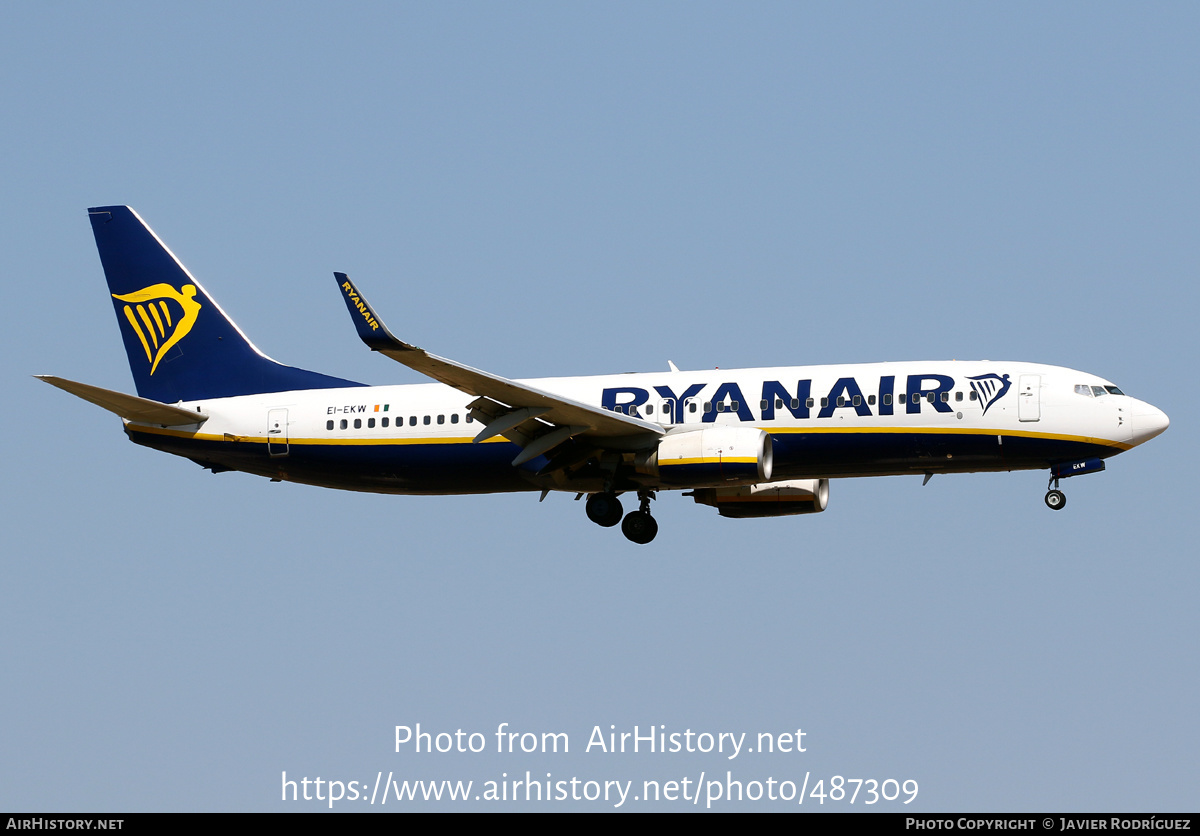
(778, 499)
(719, 455)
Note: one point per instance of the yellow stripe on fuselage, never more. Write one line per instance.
(710, 460)
(262, 439)
(1107, 442)
(392, 441)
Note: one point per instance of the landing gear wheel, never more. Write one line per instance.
(604, 509)
(1056, 500)
(639, 527)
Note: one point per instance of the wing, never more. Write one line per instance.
(537, 420)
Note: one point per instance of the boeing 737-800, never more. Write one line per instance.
(750, 442)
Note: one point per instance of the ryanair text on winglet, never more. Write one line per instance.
(362, 307)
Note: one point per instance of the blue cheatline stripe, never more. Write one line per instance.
(455, 465)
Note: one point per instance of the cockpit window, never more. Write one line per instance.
(1096, 391)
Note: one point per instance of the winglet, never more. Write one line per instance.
(371, 329)
(512, 397)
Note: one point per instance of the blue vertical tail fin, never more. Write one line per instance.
(181, 345)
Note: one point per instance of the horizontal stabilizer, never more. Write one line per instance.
(129, 407)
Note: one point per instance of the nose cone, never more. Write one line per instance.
(1148, 421)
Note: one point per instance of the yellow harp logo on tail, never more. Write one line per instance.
(151, 318)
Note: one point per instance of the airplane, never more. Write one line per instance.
(750, 443)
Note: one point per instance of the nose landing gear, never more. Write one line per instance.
(1056, 500)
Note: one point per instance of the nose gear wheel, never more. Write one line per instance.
(1056, 500)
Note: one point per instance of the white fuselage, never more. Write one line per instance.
(825, 421)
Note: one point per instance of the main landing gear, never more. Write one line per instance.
(605, 509)
(1056, 500)
(639, 526)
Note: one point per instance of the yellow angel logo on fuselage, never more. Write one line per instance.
(150, 317)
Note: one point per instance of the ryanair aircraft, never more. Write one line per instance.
(749, 442)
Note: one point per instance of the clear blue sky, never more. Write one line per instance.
(549, 189)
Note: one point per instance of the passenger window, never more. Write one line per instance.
(708, 407)
(453, 418)
(412, 420)
(795, 403)
(358, 423)
(762, 405)
(916, 397)
(974, 395)
(857, 400)
(441, 419)
(383, 422)
(958, 396)
(870, 400)
(345, 423)
(425, 420)
(370, 423)
(691, 406)
(649, 409)
(809, 403)
(945, 397)
(329, 425)
(841, 401)
(469, 418)
(930, 397)
(824, 402)
(887, 400)
(721, 406)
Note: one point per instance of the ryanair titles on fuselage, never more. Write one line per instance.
(728, 398)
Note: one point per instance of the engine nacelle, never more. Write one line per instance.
(779, 499)
(720, 455)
